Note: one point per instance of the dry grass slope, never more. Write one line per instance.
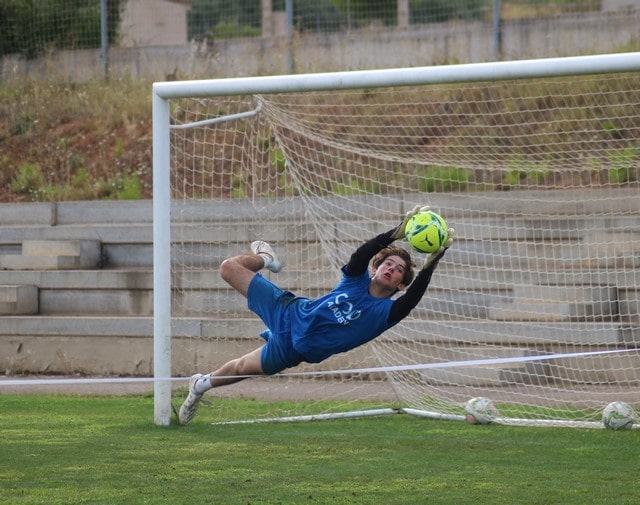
(62, 141)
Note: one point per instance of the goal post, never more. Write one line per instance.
(536, 165)
(161, 262)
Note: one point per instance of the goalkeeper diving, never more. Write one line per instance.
(299, 329)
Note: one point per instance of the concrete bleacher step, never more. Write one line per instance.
(54, 255)
(90, 292)
(489, 375)
(558, 303)
(483, 333)
(18, 300)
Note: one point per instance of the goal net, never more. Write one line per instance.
(536, 306)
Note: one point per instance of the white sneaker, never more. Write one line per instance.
(190, 405)
(262, 247)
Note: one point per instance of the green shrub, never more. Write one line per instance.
(29, 180)
(624, 165)
(443, 179)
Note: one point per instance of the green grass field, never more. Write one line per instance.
(106, 450)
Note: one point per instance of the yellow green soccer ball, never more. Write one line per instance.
(426, 232)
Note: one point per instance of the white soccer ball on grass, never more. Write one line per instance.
(480, 410)
(618, 416)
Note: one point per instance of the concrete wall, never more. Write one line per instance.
(459, 42)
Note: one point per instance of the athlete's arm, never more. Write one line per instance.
(359, 262)
(414, 293)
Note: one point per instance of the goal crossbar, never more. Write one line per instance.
(396, 77)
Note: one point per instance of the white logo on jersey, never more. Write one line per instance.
(343, 309)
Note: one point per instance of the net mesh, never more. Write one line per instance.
(538, 177)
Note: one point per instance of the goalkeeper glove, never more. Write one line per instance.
(432, 260)
(399, 231)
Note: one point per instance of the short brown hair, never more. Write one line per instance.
(393, 250)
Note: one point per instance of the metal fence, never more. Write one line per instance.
(139, 30)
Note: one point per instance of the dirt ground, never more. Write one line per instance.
(43, 384)
(274, 389)
(263, 388)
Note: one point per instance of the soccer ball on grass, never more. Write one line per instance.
(426, 232)
(480, 410)
(618, 416)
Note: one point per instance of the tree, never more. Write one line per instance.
(439, 11)
(361, 12)
(318, 16)
(31, 27)
(205, 15)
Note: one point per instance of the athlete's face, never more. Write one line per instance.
(390, 273)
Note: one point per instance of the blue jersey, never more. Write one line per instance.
(300, 329)
(339, 321)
